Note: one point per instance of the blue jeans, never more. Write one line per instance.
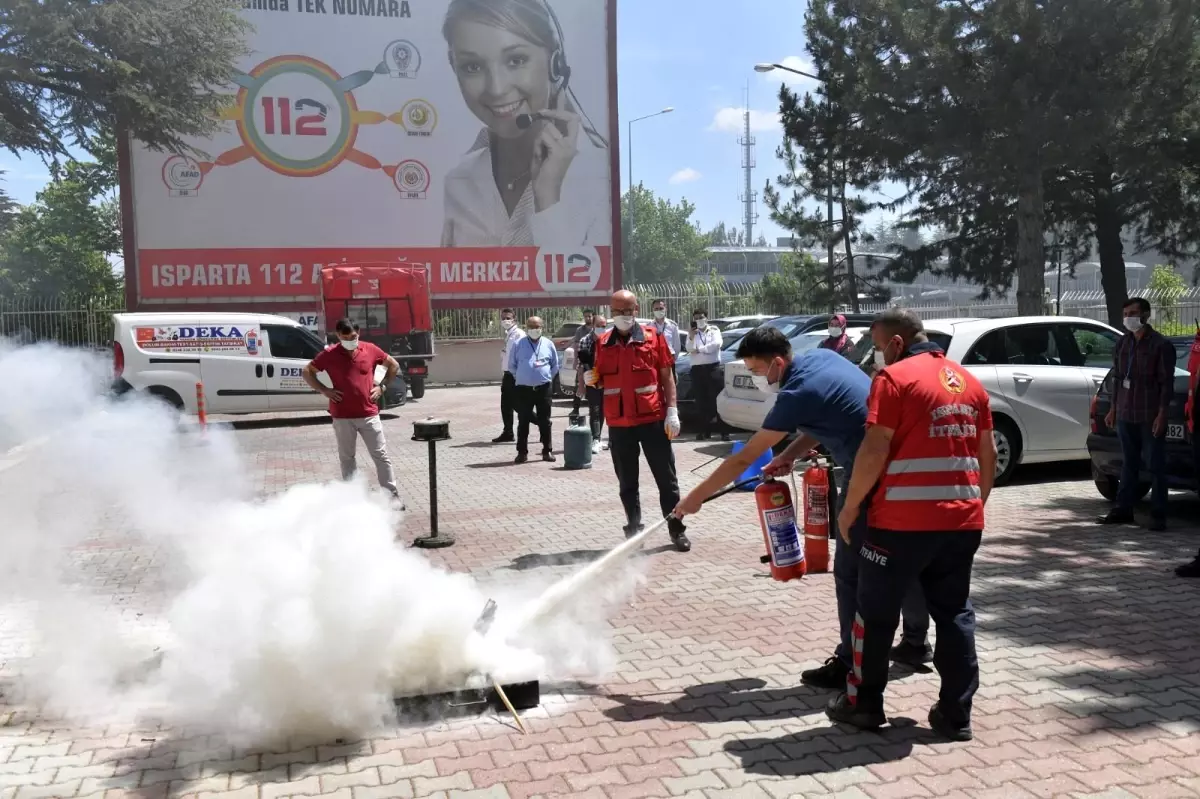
(1141, 450)
(845, 583)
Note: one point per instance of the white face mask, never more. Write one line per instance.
(598, 330)
(880, 359)
(624, 323)
(535, 333)
(763, 383)
(701, 324)
(660, 315)
(1133, 324)
(507, 324)
(351, 344)
(835, 332)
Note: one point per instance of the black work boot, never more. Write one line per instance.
(633, 528)
(504, 438)
(522, 457)
(947, 728)
(548, 456)
(832, 676)
(842, 710)
(1158, 524)
(910, 654)
(679, 536)
(1189, 569)
(1117, 516)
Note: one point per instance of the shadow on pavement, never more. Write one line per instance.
(823, 750)
(290, 421)
(536, 560)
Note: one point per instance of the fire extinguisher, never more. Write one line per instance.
(777, 514)
(816, 517)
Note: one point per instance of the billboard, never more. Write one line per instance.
(473, 136)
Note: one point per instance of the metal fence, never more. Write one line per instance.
(85, 322)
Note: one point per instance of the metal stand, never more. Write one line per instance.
(432, 431)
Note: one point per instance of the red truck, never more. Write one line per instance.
(393, 307)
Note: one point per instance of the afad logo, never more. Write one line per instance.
(182, 176)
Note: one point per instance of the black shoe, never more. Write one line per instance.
(504, 438)
(1189, 569)
(948, 729)
(841, 710)
(832, 676)
(1157, 525)
(522, 457)
(1117, 516)
(633, 529)
(680, 540)
(910, 654)
(548, 457)
(724, 436)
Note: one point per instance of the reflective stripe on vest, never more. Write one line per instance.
(932, 493)
(638, 390)
(926, 465)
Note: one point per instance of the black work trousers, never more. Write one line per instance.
(627, 444)
(890, 562)
(508, 401)
(533, 407)
(705, 391)
(595, 401)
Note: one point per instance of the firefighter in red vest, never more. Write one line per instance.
(924, 470)
(634, 367)
(1192, 415)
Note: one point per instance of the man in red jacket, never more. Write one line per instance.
(1192, 414)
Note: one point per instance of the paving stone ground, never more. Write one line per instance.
(1089, 647)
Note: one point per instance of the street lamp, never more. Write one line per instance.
(629, 142)
(766, 67)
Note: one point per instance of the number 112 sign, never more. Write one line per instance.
(578, 270)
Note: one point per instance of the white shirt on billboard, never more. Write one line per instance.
(477, 217)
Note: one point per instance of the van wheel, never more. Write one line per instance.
(166, 395)
(1008, 449)
(416, 387)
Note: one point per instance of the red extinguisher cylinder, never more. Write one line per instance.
(777, 514)
(816, 518)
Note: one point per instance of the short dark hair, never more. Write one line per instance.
(764, 342)
(345, 327)
(902, 322)
(1142, 304)
(656, 302)
(700, 311)
(503, 311)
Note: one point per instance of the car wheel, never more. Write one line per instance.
(1008, 449)
(1108, 486)
(416, 387)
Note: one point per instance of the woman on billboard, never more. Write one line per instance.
(538, 173)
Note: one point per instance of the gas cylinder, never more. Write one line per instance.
(777, 515)
(577, 443)
(816, 517)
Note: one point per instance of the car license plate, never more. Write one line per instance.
(1175, 432)
(743, 381)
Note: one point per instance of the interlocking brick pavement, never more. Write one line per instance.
(1088, 646)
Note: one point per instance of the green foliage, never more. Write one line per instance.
(158, 68)
(799, 284)
(1166, 286)
(665, 246)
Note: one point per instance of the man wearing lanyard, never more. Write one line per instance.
(582, 332)
(508, 385)
(924, 471)
(666, 327)
(704, 346)
(534, 363)
(633, 368)
(1144, 365)
(586, 357)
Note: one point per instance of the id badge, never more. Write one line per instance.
(1125, 383)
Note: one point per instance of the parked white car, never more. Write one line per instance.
(248, 363)
(1041, 373)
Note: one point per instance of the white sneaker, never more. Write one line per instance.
(604, 445)
(595, 447)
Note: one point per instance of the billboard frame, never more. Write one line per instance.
(129, 222)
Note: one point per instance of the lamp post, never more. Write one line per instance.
(629, 142)
(765, 67)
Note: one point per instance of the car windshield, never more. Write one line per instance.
(730, 338)
(788, 325)
(568, 329)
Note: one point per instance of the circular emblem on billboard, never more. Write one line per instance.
(402, 58)
(418, 117)
(182, 176)
(294, 117)
(952, 381)
(412, 179)
(568, 270)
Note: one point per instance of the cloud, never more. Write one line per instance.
(729, 120)
(685, 175)
(777, 76)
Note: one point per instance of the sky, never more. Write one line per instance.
(696, 56)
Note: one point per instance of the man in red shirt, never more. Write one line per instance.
(353, 400)
(927, 462)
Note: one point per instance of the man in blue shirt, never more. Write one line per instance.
(533, 362)
(823, 396)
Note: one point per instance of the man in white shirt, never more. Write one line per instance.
(666, 327)
(704, 347)
(508, 384)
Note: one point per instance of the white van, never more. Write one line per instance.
(248, 363)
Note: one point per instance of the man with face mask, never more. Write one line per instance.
(595, 396)
(1142, 389)
(704, 347)
(534, 363)
(508, 385)
(924, 473)
(633, 369)
(823, 397)
(666, 327)
(353, 400)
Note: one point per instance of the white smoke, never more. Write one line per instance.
(152, 585)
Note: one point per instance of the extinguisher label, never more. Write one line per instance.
(786, 549)
(816, 510)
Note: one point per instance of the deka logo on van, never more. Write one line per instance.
(211, 331)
